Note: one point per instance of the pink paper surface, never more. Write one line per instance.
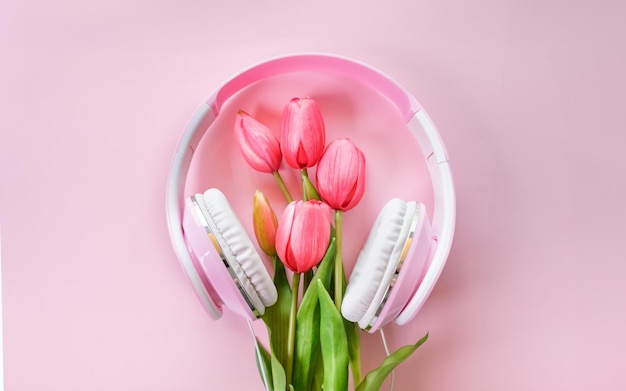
(528, 97)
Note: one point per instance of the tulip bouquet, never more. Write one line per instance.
(311, 346)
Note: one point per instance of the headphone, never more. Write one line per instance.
(397, 267)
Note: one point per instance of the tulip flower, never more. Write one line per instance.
(259, 147)
(341, 183)
(265, 223)
(341, 175)
(302, 134)
(302, 239)
(303, 234)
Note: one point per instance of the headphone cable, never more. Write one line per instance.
(382, 336)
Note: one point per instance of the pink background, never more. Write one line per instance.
(528, 95)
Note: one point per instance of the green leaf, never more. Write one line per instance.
(279, 379)
(324, 274)
(354, 343)
(308, 324)
(375, 378)
(354, 349)
(308, 190)
(276, 317)
(334, 343)
(318, 376)
(263, 362)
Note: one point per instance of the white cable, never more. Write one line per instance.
(382, 335)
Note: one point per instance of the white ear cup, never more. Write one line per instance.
(239, 251)
(378, 261)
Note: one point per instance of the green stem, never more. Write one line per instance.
(282, 186)
(304, 174)
(291, 333)
(338, 260)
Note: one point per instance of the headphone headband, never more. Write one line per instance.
(320, 64)
(415, 117)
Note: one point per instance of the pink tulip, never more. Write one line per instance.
(259, 147)
(265, 223)
(302, 134)
(303, 234)
(341, 175)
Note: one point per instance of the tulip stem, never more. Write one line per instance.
(304, 174)
(291, 333)
(282, 186)
(338, 260)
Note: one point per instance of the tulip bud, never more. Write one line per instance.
(259, 147)
(265, 223)
(303, 234)
(341, 175)
(302, 134)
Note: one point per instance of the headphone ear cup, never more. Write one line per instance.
(239, 251)
(377, 262)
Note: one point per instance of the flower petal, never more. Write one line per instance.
(303, 234)
(341, 175)
(303, 133)
(258, 146)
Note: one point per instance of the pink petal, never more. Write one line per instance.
(341, 175)
(303, 133)
(259, 147)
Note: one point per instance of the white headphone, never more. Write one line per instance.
(401, 260)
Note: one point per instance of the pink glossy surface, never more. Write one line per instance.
(315, 63)
(528, 96)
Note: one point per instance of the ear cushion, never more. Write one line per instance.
(377, 262)
(239, 251)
